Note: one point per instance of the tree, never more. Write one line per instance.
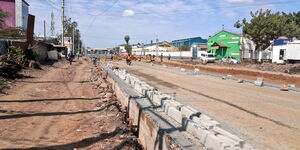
(3, 15)
(184, 48)
(12, 33)
(265, 26)
(68, 30)
(128, 48)
(127, 38)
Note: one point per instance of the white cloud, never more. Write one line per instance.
(240, 1)
(128, 12)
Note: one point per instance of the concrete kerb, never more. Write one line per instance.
(154, 131)
(210, 131)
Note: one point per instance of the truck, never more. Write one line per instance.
(292, 53)
(207, 57)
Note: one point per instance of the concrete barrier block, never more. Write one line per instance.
(240, 81)
(175, 114)
(225, 133)
(230, 142)
(197, 130)
(159, 98)
(188, 111)
(258, 83)
(149, 94)
(208, 124)
(204, 117)
(170, 103)
(215, 143)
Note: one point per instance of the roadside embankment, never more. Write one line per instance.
(164, 123)
(271, 77)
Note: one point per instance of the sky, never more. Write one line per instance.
(104, 23)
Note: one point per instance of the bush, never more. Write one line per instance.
(22, 56)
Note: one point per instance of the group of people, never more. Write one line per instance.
(129, 58)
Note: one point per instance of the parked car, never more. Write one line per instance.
(229, 59)
(207, 57)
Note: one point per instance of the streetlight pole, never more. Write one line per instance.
(73, 41)
(63, 23)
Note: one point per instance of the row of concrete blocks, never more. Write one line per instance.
(207, 130)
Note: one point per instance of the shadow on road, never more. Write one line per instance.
(79, 144)
(45, 114)
(41, 82)
(49, 100)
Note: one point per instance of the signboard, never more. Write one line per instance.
(215, 47)
(68, 40)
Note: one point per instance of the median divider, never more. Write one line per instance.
(164, 123)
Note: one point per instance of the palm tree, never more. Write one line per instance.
(127, 38)
(127, 47)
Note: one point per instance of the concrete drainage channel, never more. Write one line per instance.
(164, 123)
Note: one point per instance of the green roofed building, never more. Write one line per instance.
(225, 43)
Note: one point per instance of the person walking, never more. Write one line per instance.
(70, 57)
(128, 59)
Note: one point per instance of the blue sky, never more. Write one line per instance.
(104, 23)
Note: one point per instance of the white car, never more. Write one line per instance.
(207, 57)
(229, 59)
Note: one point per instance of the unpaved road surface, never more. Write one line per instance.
(59, 109)
(267, 118)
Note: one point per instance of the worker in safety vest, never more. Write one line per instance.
(128, 59)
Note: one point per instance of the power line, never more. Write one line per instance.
(53, 5)
(224, 7)
(106, 10)
(100, 14)
(182, 11)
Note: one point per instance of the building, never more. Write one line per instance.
(188, 41)
(17, 11)
(161, 46)
(279, 49)
(285, 50)
(226, 43)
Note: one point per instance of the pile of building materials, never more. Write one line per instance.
(208, 131)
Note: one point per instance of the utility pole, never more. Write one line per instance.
(63, 23)
(52, 24)
(156, 45)
(44, 30)
(73, 41)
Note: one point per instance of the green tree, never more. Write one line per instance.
(68, 30)
(265, 26)
(3, 15)
(128, 48)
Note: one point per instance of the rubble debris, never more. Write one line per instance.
(125, 138)
(259, 82)
(284, 88)
(240, 81)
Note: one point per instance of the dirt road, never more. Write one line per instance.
(59, 109)
(265, 117)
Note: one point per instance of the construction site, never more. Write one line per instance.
(149, 75)
(156, 105)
